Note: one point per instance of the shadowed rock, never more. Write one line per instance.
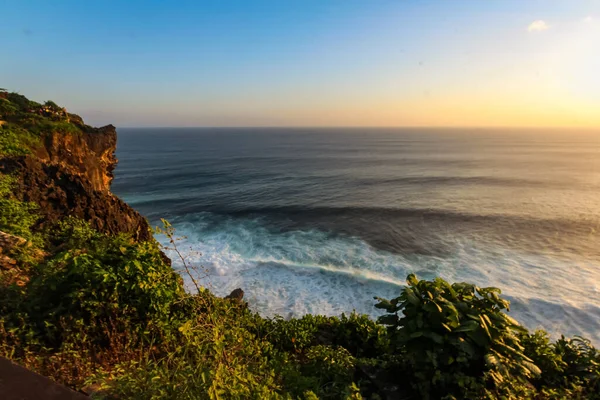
(236, 295)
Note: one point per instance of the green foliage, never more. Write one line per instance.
(360, 335)
(98, 277)
(295, 334)
(52, 105)
(453, 335)
(38, 125)
(204, 358)
(7, 109)
(333, 366)
(538, 347)
(16, 217)
(20, 101)
(15, 141)
(27, 123)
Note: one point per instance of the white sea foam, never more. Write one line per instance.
(299, 272)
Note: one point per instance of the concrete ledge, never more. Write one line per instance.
(18, 383)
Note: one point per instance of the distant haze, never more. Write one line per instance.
(309, 63)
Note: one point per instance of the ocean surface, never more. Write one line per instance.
(323, 220)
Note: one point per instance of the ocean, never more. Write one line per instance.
(322, 220)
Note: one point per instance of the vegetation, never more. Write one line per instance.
(15, 216)
(108, 315)
(26, 121)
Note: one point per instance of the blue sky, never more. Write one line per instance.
(308, 63)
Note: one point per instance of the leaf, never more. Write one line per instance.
(467, 326)
(484, 325)
(510, 320)
(389, 319)
(438, 307)
(534, 369)
(412, 280)
(385, 305)
(411, 297)
(491, 360)
(439, 339)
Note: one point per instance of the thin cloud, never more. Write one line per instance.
(588, 19)
(538, 26)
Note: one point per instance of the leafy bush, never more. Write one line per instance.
(332, 366)
(16, 217)
(52, 105)
(294, 334)
(15, 141)
(39, 125)
(360, 335)
(453, 335)
(7, 109)
(26, 125)
(98, 277)
(20, 101)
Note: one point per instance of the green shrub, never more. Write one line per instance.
(39, 125)
(538, 347)
(19, 101)
(98, 277)
(7, 109)
(359, 334)
(26, 126)
(295, 334)
(16, 217)
(454, 337)
(15, 141)
(52, 105)
(332, 366)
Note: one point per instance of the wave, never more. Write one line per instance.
(242, 210)
(463, 181)
(360, 276)
(292, 273)
(413, 231)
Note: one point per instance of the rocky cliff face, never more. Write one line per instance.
(90, 154)
(69, 174)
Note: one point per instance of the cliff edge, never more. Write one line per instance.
(64, 166)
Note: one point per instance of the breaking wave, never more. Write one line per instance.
(294, 272)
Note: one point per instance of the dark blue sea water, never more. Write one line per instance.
(322, 220)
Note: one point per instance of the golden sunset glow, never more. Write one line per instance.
(503, 65)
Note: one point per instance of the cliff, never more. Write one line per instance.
(66, 168)
(89, 154)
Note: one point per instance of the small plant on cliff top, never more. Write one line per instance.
(7, 109)
(15, 141)
(453, 335)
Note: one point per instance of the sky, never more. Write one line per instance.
(496, 63)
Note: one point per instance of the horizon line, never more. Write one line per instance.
(356, 127)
